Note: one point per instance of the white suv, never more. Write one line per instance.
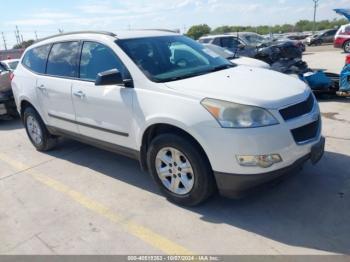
(194, 120)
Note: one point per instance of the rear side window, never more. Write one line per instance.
(35, 59)
(63, 59)
(97, 58)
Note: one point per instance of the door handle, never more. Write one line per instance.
(41, 87)
(79, 94)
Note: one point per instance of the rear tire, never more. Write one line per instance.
(180, 169)
(37, 132)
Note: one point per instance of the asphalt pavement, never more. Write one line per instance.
(79, 199)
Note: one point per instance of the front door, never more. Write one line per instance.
(102, 112)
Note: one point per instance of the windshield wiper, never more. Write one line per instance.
(214, 69)
(183, 77)
(221, 67)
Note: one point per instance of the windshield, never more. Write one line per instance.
(225, 53)
(253, 39)
(170, 58)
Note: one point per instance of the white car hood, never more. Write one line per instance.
(250, 62)
(245, 85)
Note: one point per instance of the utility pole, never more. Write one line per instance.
(18, 35)
(3, 38)
(315, 10)
(36, 35)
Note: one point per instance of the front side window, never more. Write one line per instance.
(35, 59)
(97, 58)
(63, 59)
(170, 58)
(331, 33)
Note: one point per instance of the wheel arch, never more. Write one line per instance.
(156, 129)
(345, 42)
(24, 103)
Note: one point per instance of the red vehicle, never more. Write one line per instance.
(342, 38)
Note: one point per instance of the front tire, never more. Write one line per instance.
(346, 47)
(37, 132)
(180, 169)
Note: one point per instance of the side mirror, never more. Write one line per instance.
(112, 77)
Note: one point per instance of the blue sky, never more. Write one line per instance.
(45, 16)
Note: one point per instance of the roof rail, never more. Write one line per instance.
(159, 29)
(78, 32)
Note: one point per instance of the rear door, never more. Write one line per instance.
(54, 88)
(102, 112)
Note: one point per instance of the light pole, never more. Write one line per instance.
(315, 10)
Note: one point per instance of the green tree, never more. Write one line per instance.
(24, 44)
(222, 29)
(197, 31)
(300, 26)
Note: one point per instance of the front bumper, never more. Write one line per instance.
(236, 185)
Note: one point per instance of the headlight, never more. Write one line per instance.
(232, 115)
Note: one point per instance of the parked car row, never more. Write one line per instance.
(256, 46)
(248, 43)
(323, 37)
(196, 121)
(235, 58)
(282, 55)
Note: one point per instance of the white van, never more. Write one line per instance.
(194, 120)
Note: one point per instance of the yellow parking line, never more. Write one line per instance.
(141, 232)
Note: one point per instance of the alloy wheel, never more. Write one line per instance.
(34, 130)
(347, 47)
(174, 170)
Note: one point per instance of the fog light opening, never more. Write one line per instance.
(263, 161)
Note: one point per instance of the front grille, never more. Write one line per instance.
(307, 132)
(299, 109)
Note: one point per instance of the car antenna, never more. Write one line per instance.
(236, 51)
